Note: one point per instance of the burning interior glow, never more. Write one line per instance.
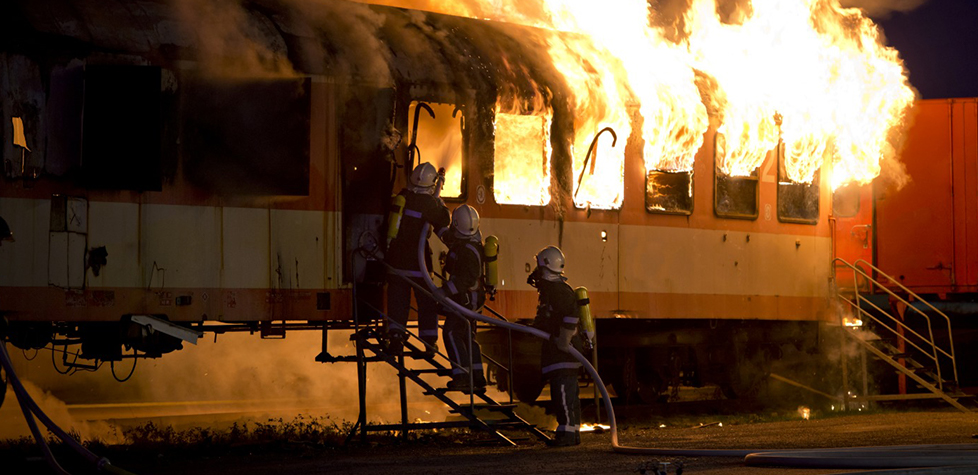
(521, 166)
(440, 143)
(806, 73)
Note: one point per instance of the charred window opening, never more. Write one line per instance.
(439, 141)
(735, 193)
(845, 201)
(735, 196)
(797, 202)
(521, 159)
(248, 137)
(669, 192)
(122, 127)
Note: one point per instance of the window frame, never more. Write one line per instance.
(854, 190)
(461, 106)
(783, 181)
(754, 177)
(491, 180)
(678, 212)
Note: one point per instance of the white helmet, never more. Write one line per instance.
(552, 259)
(423, 178)
(465, 221)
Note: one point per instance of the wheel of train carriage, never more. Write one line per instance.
(746, 377)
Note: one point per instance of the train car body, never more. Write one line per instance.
(147, 185)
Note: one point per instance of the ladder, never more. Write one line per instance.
(917, 356)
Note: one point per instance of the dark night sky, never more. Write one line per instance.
(939, 44)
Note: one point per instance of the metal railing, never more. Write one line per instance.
(927, 345)
(364, 253)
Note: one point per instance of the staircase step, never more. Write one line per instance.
(438, 371)
(487, 407)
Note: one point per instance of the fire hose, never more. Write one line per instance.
(910, 456)
(30, 409)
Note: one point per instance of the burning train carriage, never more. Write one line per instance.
(238, 190)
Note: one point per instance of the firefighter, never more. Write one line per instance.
(557, 315)
(421, 205)
(463, 267)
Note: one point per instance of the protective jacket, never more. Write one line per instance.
(557, 308)
(419, 208)
(463, 264)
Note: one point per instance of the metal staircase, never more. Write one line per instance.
(370, 345)
(917, 356)
(370, 340)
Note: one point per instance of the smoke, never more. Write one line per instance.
(883, 8)
(239, 378)
(232, 41)
(13, 425)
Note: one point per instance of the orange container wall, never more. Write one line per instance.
(926, 231)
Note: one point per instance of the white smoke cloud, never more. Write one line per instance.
(883, 8)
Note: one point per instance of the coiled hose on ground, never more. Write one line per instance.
(911, 456)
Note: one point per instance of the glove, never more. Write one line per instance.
(563, 339)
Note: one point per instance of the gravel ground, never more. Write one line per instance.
(473, 455)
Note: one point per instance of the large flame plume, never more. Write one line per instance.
(807, 75)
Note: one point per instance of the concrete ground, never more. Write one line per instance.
(595, 456)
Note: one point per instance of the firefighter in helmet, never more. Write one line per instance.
(422, 204)
(463, 268)
(557, 315)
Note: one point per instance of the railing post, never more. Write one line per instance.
(509, 334)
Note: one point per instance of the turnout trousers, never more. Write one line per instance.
(459, 332)
(565, 397)
(399, 306)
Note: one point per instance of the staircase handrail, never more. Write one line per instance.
(950, 334)
(870, 316)
(873, 282)
(507, 369)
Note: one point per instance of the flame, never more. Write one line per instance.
(804, 412)
(521, 166)
(850, 321)
(594, 427)
(806, 75)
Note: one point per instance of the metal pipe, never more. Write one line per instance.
(588, 155)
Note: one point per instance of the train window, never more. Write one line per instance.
(439, 142)
(669, 192)
(797, 202)
(599, 170)
(248, 137)
(121, 131)
(734, 196)
(845, 201)
(521, 163)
